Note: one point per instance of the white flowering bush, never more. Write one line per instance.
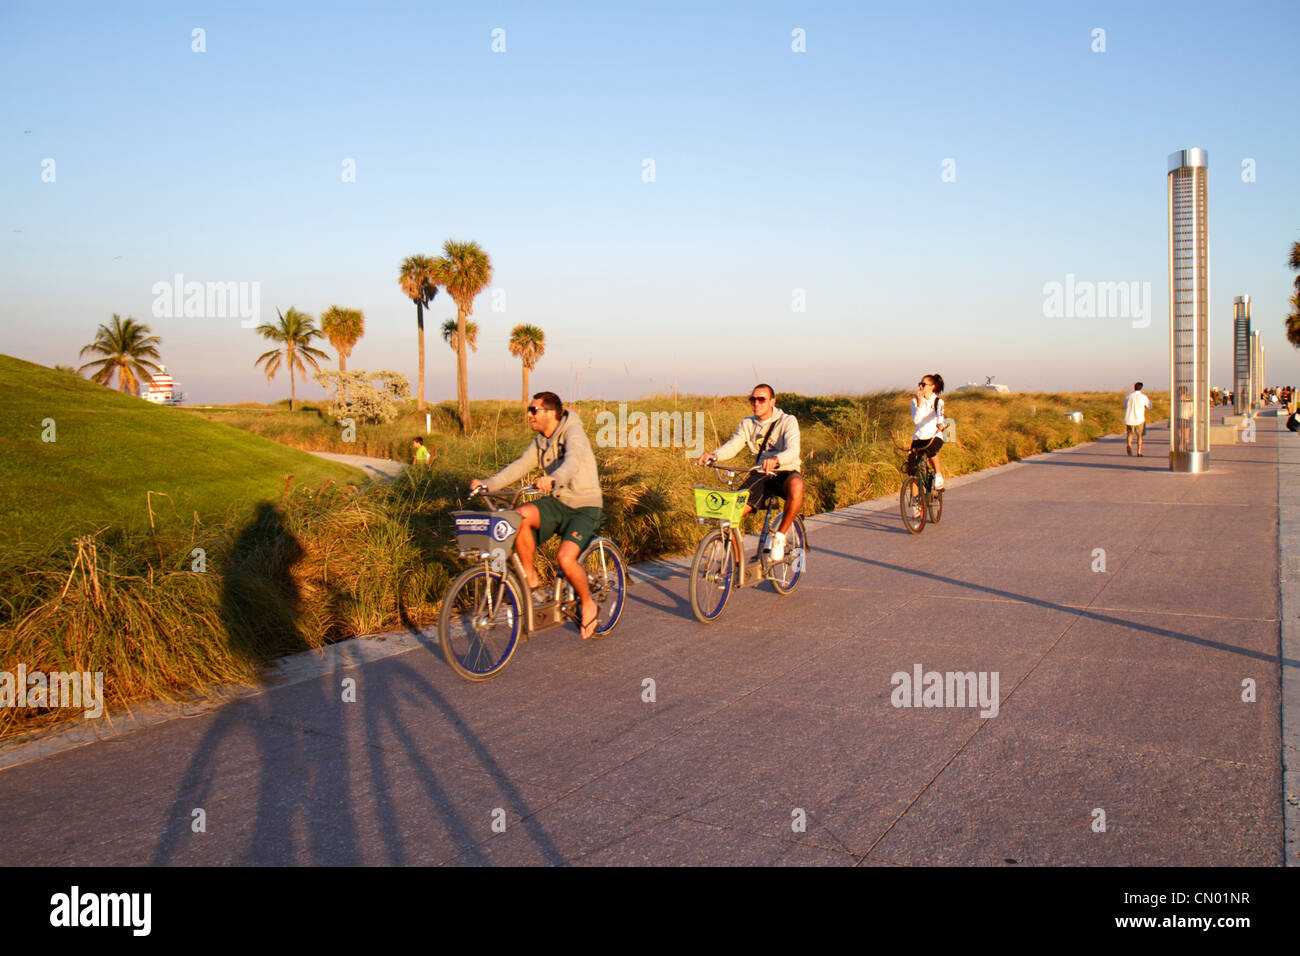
(369, 397)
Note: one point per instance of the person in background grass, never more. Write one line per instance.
(1135, 417)
(422, 456)
(927, 416)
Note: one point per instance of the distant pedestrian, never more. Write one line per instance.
(1135, 418)
(422, 456)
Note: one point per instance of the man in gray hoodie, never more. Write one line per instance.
(573, 507)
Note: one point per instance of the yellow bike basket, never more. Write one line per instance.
(720, 504)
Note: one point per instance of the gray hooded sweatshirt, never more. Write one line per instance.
(566, 456)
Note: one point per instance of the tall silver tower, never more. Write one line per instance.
(1241, 345)
(1256, 369)
(1189, 311)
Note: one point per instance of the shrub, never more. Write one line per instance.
(368, 397)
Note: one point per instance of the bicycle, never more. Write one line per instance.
(489, 609)
(718, 565)
(918, 496)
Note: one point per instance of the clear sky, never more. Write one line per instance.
(774, 171)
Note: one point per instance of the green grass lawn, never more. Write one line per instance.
(111, 449)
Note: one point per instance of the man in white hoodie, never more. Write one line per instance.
(772, 437)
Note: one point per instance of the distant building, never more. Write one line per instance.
(988, 386)
(162, 389)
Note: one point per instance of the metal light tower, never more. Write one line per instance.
(1256, 357)
(1241, 344)
(1189, 311)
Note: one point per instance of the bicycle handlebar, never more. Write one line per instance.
(514, 496)
(732, 472)
(732, 469)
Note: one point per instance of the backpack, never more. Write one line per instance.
(1292, 423)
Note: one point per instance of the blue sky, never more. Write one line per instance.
(774, 171)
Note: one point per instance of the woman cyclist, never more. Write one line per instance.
(927, 416)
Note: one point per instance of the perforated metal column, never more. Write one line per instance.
(1189, 311)
(1241, 345)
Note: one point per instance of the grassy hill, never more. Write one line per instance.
(111, 449)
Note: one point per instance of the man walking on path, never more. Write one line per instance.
(1135, 417)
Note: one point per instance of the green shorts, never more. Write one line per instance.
(578, 525)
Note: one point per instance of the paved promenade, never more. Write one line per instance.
(772, 737)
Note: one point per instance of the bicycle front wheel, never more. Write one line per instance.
(912, 505)
(712, 572)
(936, 504)
(607, 579)
(480, 623)
(785, 574)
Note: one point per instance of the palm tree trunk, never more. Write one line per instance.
(343, 362)
(293, 393)
(525, 367)
(462, 372)
(419, 319)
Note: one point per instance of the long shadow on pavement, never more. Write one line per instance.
(300, 778)
(1082, 612)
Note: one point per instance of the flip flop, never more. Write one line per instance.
(588, 628)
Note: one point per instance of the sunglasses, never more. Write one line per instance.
(924, 384)
(757, 399)
(534, 409)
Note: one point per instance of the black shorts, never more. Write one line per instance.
(762, 487)
(930, 446)
(1136, 429)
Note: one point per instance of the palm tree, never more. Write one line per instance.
(295, 333)
(1293, 322)
(449, 334)
(463, 270)
(528, 344)
(127, 348)
(343, 327)
(419, 281)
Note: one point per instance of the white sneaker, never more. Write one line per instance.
(777, 547)
(938, 482)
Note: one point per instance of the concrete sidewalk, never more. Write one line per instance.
(1120, 606)
(377, 469)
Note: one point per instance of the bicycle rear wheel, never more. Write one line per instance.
(712, 571)
(480, 623)
(911, 504)
(607, 578)
(785, 574)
